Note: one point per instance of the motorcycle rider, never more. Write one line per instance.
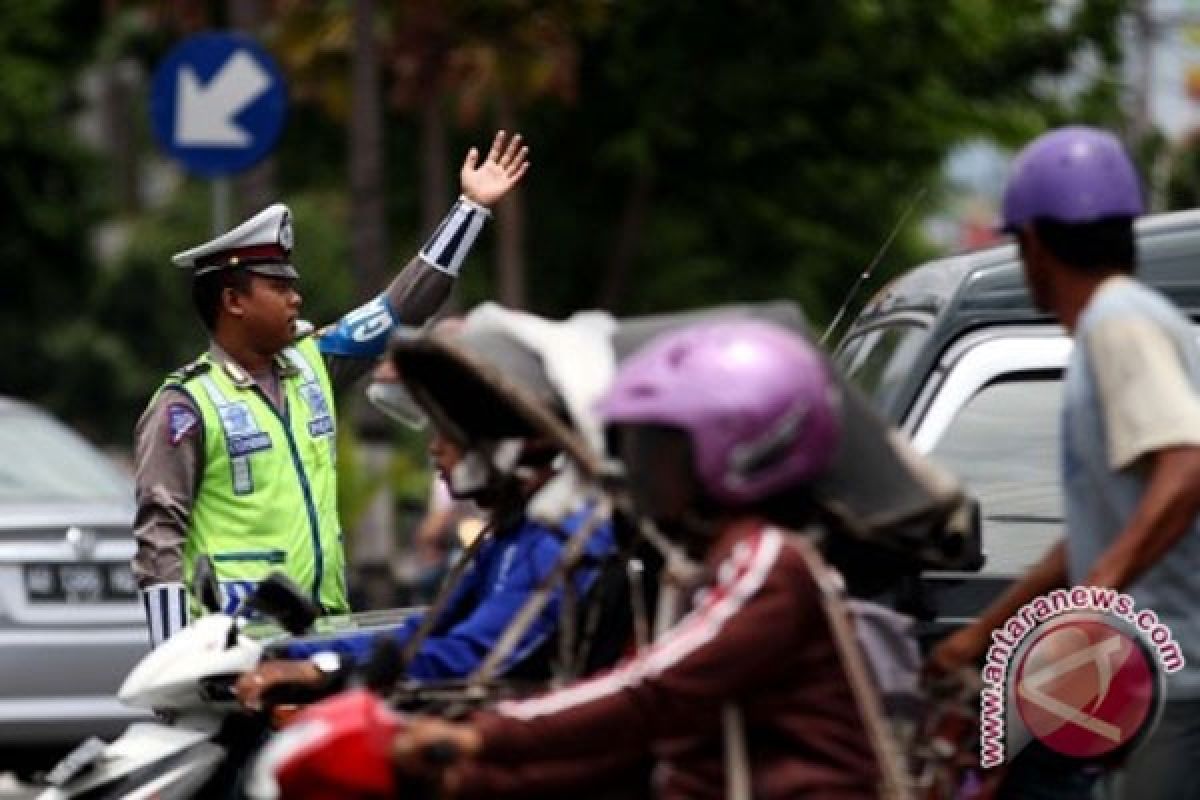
(715, 424)
(513, 558)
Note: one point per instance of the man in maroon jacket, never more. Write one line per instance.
(746, 695)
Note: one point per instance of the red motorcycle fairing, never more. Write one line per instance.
(338, 749)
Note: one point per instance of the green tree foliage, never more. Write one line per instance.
(47, 192)
(754, 149)
(683, 153)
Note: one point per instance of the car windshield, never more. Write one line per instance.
(878, 360)
(46, 462)
(1004, 445)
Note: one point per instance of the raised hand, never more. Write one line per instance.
(506, 163)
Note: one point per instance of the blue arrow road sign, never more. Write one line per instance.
(217, 103)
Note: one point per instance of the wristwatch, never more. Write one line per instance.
(328, 664)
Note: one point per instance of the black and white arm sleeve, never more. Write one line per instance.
(166, 606)
(452, 240)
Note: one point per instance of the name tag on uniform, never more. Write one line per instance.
(249, 443)
(321, 426)
(315, 398)
(321, 422)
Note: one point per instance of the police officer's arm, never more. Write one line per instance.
(168, 450)
(352, 345)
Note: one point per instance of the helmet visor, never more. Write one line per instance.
(658, 465)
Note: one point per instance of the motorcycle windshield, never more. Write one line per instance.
(879, 491)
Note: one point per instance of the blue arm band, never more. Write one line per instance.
(362, 333)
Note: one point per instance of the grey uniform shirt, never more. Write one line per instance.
(169, 453)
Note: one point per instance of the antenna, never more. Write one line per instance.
(866, 273)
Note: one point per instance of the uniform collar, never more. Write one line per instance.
(240, 377)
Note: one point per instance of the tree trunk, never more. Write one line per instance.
(625, 248)
(117, 80)
(435, 188)
(434, 171)
(368, 226)
(510, 229)
(255, 188)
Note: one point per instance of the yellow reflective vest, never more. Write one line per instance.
(267, 498)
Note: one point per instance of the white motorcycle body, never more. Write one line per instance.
(169, 678)
(159, 760)
(140, 747)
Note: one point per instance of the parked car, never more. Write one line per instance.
(71, 622)
(954, 353)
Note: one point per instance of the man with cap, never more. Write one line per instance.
(1130, 439)
(235, 452)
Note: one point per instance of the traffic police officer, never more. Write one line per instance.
(235, 452)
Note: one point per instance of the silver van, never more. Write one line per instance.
(954, 354)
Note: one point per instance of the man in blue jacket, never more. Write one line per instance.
(514, 556)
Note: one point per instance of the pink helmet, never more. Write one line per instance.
(756, 401)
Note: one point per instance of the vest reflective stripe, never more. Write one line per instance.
(267, 498)
(314, 394)
(243, 479)
(299, 363)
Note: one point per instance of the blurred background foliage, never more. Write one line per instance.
(683, 153)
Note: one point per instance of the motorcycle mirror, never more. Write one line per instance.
(204, 580)
(284, 601)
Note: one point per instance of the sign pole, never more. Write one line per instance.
(220, 205)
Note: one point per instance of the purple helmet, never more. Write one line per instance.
(1072, 174)
(756, 401)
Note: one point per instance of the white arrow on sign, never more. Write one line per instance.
(204, 114)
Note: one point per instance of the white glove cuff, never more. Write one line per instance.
(452, 240)
(166, 606)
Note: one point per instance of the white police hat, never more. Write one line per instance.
(261, 244)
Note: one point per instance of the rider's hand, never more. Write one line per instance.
(506, 163)
(960, 649)
(429, 742)
(251, 685)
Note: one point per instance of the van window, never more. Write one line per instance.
(878, 360)
(1004, 446)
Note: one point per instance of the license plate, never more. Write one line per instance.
(79, 583)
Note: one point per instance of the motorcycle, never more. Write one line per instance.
(884, 515)
(201, 738)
